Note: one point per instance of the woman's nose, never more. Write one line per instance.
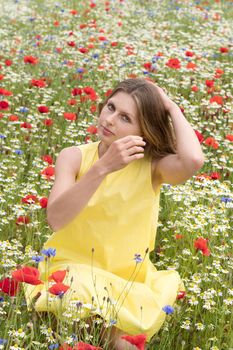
(111, 118)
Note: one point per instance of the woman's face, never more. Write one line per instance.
(118, 118)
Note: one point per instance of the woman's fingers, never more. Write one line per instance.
(134, 149)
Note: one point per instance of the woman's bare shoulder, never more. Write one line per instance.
(71, 155)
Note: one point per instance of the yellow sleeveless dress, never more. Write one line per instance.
(105, 251)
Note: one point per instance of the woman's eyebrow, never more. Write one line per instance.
(114, 104)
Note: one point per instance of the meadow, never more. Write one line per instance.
(58, 60)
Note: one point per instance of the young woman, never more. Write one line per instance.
(103, 208)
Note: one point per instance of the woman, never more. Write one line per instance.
(104, 206)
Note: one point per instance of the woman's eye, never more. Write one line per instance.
(110, 106)
(125, 118)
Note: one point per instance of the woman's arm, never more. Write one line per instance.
(67, 197)
(177, 168)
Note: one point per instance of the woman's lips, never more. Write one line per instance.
(107, 131)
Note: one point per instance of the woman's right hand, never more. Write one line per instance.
(122, 152)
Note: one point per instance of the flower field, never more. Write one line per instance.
(58, 60)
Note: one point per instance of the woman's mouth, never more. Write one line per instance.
(106, 131)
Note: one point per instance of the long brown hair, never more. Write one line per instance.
(153, 119)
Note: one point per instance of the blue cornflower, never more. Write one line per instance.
(168, 309)
(95, 55)
(226, 199)
(23, 109)
(3, 341)
(38, 258)
(137, 258)
(18, 151)
(1, 299)
(49, 252)
(79, 70)
(2, 136)
(53, 346)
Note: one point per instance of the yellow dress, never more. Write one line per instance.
(102, 249)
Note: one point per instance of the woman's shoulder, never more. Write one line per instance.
(70, 156)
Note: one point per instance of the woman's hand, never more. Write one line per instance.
(167, 102)
(122, 152)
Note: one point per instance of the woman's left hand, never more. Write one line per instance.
(167, 102)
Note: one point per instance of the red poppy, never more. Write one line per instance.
(1, 76)
(199, 136)
(56, 23)
(43, 202)
(29, 199)
(218, 73)
(114, 43)
(209, 83)
(72, 102)
(31, 60)
(215, 175)
(224, 49)
(43, 109)
(92, 129)
(28, 275)
(179, 236)
(76, 91)
(108, 92)
(102, 38)
(22, 219)
(195, 88)
(83, 50)
(38, 83)
(173, 63)
(26, 125)
(8, 62)
(58, 289)
(216, 99)
(201, 177)
(201, 244)
(4, 105)
(89, 90)
(48, 122)
(138, 340)
(211, 142)
(5, 92)
(70, 116)
(189, 54)
(229, 137)
(13, 118)
(58, 276)
(181, 295)
(48, 172)
(71, 43)
(9, 286)
(147, 65)
(93, 108)
(47, 159)
(191, 65)
(82, 25)
(73, 12)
